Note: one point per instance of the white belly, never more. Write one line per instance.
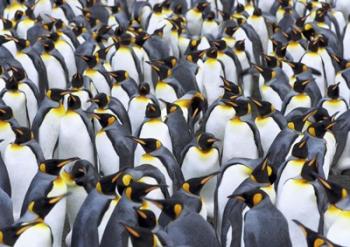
(55, 72)
(268, 130)
(119, 93)
(136, 112)
(7, 135)
(29, 67)
(123, 60)
(68, 54)
(38, 235)
(339, 232)
(108, 158)
(17, 102)
(99, 81)
(157, 130)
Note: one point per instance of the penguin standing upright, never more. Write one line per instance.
(334, 103)
(200, 160)
(26, 153)
(241, 136)
(6, 132)
(298, 98)
(76, 136)
(195, 19)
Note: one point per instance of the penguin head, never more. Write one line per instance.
(257, 12)
(80, 173)
(152, 111)
(7, 24)
(77, 81)
(10, 234)
(54, 166)
(267, 73)
(295, 34)
(136, 191)
(107, 184)
(119, 75)
(5, 113)
(11, 84)
(335, 192)
(219, 44)
(201, 6)
(18, 73)
(300, 149)
(56, 94)
(230, 31)
(264, 173)
(43, 206)
(251, 198)
(101, 100)
(310, 170)
(195, 185)
(21, 44)
(271, 61)
(193, 45)
(298, 121)
(241, 106)
(105, 119)
(206, 141)
(333, 91)
(194, 56)
(308, 29)
(313, 238)
(170, 61)
(162, 71)
(210, 16)
(125, 39)
(148, 144)
(171, 107)
(264, 108)
(18, 15)
(48, 44)
(141, 236)
(73, 102)
(300, 85)
(171, 207)
(141, 38)
(230, 88)
(144, 88)
(146, 218)
(91, 61)
(157, 8)
(211, 52)
(23, 135)
(198, 104)
(313, 46)
(319, 129)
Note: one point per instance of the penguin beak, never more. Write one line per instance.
(256, 102)
(56, 199)
(136, 140)
(207, 178)
(93, 100)
(131, 231)
(95, 116)
(213, 140)
(67, 161)
(65, 93)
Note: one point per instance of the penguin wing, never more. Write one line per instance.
(322, 203)
(185, 77)
(38, 188)
(279, 119)
(85, 228)
(40, 67)
(346, 76)
(207, 114)
(6, 213)
(36, 149)
(238, 66)
(60, 59)
(130, 86)
(317, 148)
(256, 138)
(122, 145)
(185, 150)
(180, 133)
(137, 64)
(5, 184)
(67, 10)
(117, 107)
(89, 127)
(286, 101)
(45, 106)
(172, 166)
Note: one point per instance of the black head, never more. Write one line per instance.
(140, 236)
(251, 198)
(264, 107)
(264, 173)
(212, 52)
(206, 141)
(21, 44)
(333, 91)
(335, 192)
(48, 45)
(241, 106)
(56, 94)
(266, 72)
(119, 75)
(43, 206)
(144, 89)
(230, 30)
(297, 122)
(148, 144)
(141, 38)
(105, 119)
(231, 89)
(271, 61)
(310, 170)
(23, 135)
(300, 149)
(101, 100)
(54, 166)
(125, 39)
(152, 111)
(219, 44)
(163, 71)
(12, 84)
(194, 56)
(195, 185)
(202, 6)
(198, 104)
(73, 102)
(146, 218)
(137, 191)
(172, 208)
(77, 81)
(313, 46)
(319, 129)
(91, 61)
(300, 85)
(18, 15)
(18, 73)
(5, 113)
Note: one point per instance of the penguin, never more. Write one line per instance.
(76, 136)
(258, 23)
(23, 151)
(114, 150)
(259, 207)
(210, 27)
(6, 132)
(97, 73)
(156, 19)
(269, 123)
(201, 159)
(341, 77)
(298, 98)
(334, 103)
(54, 61)
(232, 175)
(183, 220)
(17, 100)
(137, 106)
(300, 194)
(11, 9)
(42, 7)
(241, 133)
(123, 87)
(194, 18)
(83, 88)
(124, 58)
(106, 104)
(296, 45)
(35, 233)
(25, 21)
(212, 71)
(313, 237)
(151, 123)
(159, 156)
